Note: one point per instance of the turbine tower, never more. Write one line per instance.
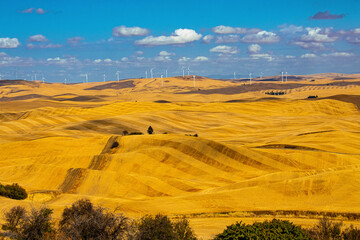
(146, 74)
(286, 76)
(86, 77)
(234, 75)
(194, 80)
(162, 83)
(188, 70)
(104, 77)
(166, 73)
(250, 77)
(261, 75)
(65, 81)
(282, 77)
(151, 73)
(0, 76)
(183, 71)
(117, 75)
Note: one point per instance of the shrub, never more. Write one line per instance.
(31, 226)
(37, 224)
(275, 229)
(125, 133)
(84, 221)
(183, 230)
(160, 227)
(351, 233)
(114, 145)
(13, 191)
(14, 218)
(150, 130)
(326, 229)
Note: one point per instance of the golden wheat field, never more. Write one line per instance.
(256, 155)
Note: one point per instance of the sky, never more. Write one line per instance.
(110, 40)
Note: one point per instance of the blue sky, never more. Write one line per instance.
(67, 39)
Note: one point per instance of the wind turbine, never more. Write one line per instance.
(250, 77)
(194, 80)
(162, 83)
(35, 77)
(183, 72)
(188, 70)
(43, 79)
(0, 76)
(146, 74)
(234, 75)
(166, 73)
(117, 75)
(286, 76)
(104, 77)
(151, 73)
(65, 81)
(282, 77)
(261, 75)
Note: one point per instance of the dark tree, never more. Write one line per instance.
(84, 221)
(155, 228)
(150, 130)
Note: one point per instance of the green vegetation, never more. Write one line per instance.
(275, 229)
(160, 227)
(13, 191)
(84, 221)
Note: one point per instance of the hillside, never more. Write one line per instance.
(255, 152)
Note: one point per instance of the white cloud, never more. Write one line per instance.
(339, 54)
(2, 54)
(57, 60)
(181, 36)
(233, 30)
(183, 60)
(37, 10)
(165, 53)
(262, 56)
(74, 40)
(310, 45)
(40, 11)
(43, 46)
(254, 48)
(38, 38)
(139, 52)
(124, 59)
(308, 55)
(201, 59)
(107, 60)
(289, 57)
(97, 61)
(261, 37)
(227, 39)
(9, 43)
(208, 38)
(225, 49)
(162, 59)
(290, 29)
(123, 31)
(318, 35)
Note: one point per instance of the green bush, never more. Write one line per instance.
(160, 227)
(150, 130)
(13, 191)
(275, 229)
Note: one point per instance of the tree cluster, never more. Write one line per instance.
(13, 191)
